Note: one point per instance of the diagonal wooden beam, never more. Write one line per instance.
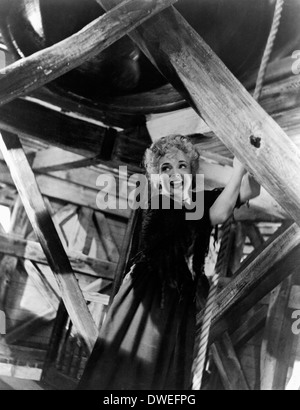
(43, 225)
(83, 264)
(228, 364)
(233, 115)
(47, 65)
(259, 275)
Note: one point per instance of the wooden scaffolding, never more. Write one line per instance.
(64, 249)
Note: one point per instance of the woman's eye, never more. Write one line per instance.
(183, 166)
(166, 169)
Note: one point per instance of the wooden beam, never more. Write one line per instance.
(42, 284)
(277, 346)
(14, 246)
(22, 354)
(56, 159)
(8, 265)
(70, 191)
(228, 364)
(279, 99)
(33, 121)
(106, 237)
(42, 223)
(125, 253)
(85, 109)
(8, 196)
(20, 372)
(230, 111)
(259, 275)
(47, 65)
(237, 250)
(250, 327)
(27, 329)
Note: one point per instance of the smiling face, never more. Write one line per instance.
(175, 164)
(175, 175)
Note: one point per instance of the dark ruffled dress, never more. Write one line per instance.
(147, 341)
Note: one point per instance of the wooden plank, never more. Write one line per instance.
(230, 111)
(47, 65)
(28, 120)
(55, 159)
(124, 254)
(228, 364)
(70, 192)
(237, 251)
(8, 196)
(83, 264)
(279, 96)
(76, 106)
(22, 354)
(59, 219)
(8, 265)
(43, 225)
(254, 235)
(106, 237)
(277, 348)
(250, 327)
(259, 275)
(29, 328)
(78, 239)
(20, 372)
(42, 284)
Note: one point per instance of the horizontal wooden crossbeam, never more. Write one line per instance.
(112, 148)
(69, 191)
(21, 248)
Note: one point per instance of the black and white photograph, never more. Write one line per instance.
(149, 198)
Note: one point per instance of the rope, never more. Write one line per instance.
(269, 49)
(202, 338)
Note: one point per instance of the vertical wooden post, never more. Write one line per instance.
(43, 225)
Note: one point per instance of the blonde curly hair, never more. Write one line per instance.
(160, 148)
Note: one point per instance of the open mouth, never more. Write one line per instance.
(176, 184)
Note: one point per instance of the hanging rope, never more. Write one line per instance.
(269, 49)
(202, 338)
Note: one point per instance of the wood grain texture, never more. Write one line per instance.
(43, 225)
(277, 353)
(70, 191)
(12, 245)
(228, 364)
(47, 65)
(267, 267)
(8, 265)
(238, 120)
(33, 121)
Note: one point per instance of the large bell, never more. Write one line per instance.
(237, 30)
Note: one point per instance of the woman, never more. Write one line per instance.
(147, 341)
